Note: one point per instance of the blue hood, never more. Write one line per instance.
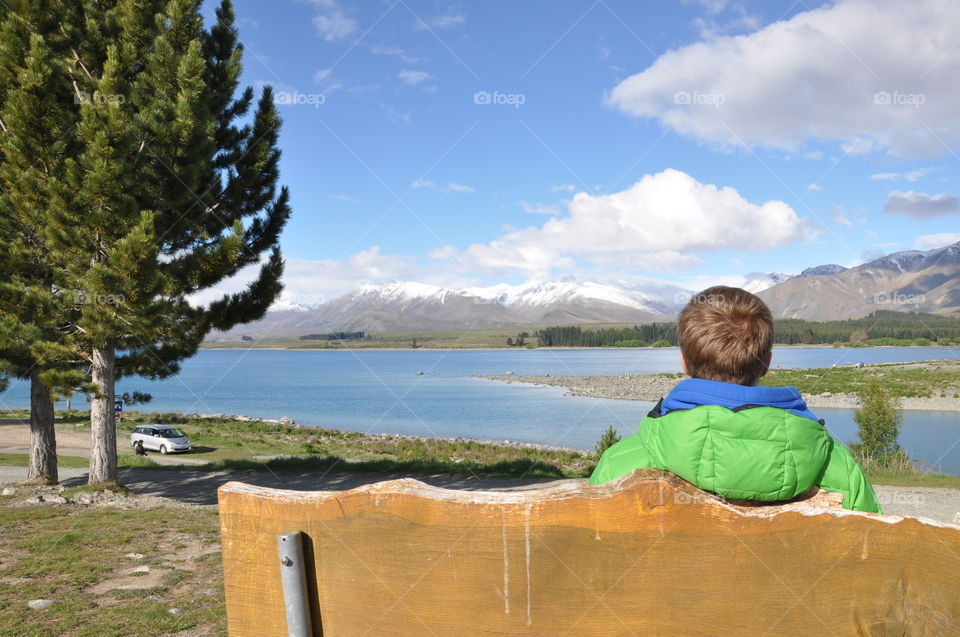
(694, 392)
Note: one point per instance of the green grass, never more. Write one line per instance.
(22, 460)
(58, 553)
(903, 379)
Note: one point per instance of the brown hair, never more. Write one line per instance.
(726, 334)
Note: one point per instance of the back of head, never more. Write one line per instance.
(726, 334)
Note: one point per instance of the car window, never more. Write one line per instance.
(171, 433)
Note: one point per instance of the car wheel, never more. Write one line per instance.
(163, 449)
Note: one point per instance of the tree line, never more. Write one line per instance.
(881, 327)
(135, 173)
(334, 336)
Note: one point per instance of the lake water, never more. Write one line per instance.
(380, 392)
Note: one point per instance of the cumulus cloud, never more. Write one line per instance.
(659, 224)
(921, 206)
(869, 74)
(331, 22)
(930, 241)
(314, 282)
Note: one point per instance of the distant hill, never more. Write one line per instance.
(913, 280)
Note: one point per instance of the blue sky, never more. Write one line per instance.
(684, 143)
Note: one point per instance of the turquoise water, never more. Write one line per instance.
(380, 392)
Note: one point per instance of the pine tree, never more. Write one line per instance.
(168, 187)
(32, 134)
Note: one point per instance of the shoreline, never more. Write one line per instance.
(652, 387)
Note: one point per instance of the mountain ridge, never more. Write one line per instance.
(910, 280)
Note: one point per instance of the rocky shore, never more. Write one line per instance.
(652, 387)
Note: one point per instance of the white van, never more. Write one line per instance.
(162, 438)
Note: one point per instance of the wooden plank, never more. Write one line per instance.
(648, 554)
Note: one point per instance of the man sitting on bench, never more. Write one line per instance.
(722, 432)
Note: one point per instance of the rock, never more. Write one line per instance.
(55, 499)
(35, 500)
(173, 611)
(134, 556)
(40, 604)
(140, 569)
(9, 491)
(84, 498)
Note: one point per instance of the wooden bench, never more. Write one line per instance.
(647, 555)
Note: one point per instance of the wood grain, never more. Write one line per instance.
(648, 554)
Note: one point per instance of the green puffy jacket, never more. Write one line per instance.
(751, 453)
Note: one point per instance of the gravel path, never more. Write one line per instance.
(199, 488)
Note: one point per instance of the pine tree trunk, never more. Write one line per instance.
(43, 438)
(103, 426)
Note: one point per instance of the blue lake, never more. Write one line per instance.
(380, 392)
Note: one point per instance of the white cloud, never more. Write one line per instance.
(911, 176)
(847, 218)
(395, 51)
(563, 188)
(440, 21)
(346, 198)
(921, 206)
(331, 22)
(869, 74)
(328, 83)
(449, 187)
(534, 207)
(412, 78)
(930, 241)
(442, 254)
(658, 224)
(310, 283)
(814, 187)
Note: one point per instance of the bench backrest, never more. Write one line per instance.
(648, 554)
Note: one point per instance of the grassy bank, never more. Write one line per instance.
(924, 379)
(85, 561)
(232, 444)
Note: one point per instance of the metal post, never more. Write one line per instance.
(293, 573)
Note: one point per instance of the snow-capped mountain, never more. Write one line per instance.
(757, 281)
(821, 270)
(411, 306)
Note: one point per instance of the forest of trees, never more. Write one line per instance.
(882, 324)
